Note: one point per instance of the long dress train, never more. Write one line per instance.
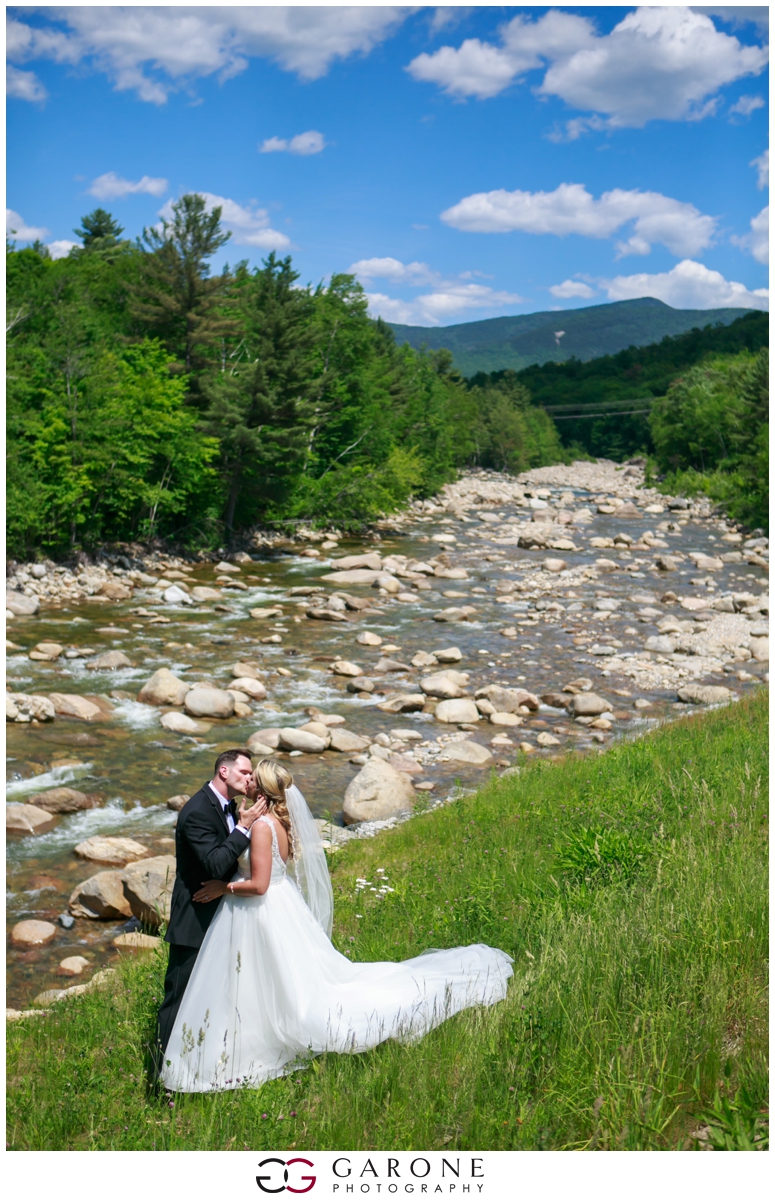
(269, 989)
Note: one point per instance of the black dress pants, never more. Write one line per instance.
(179, 968)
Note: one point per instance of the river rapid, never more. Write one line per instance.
(681, 599)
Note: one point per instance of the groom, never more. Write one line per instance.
(209, 838)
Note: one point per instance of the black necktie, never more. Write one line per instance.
(231, 809)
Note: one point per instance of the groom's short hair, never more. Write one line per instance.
(229, 756)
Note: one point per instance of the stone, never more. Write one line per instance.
(360, 686)
(526, 748)
(299, 739)
(163, 688)
(582, 684)
(264, 738)
(46, 651)
(202, 594)
(343, 667)
(555, 700)
(362, 576)
(548, 739)
(451, 614)
(114, 590)
(250, 686)
(588, 704)
(136, 941)
(468, 752)
(697, 693)
(148, 888)
(64, 800)
(508, 699)
(76, 964)
(176, 803)
(178, 722)
(606, 564)
(263, 614)
(101, 898)
(449, 655)
(21, 605)
(369, 639)
(406, 702)
(110, 661)
(378, 791)
(606, 604)
(318, 728)
(19, 706)
(27, 818)
(694, 603)
(441, 686)
(176, 595)
(456, 712)
(75, 706)
(641, 702)
(346, 742)
(405, 764)
(202, 701)
(112, 851)
(423, 659)
(660, 645)
(371, 562)
(504, 718)
(760, 648)
(325, 614)
(32, 933)
(11, 711)
(388, 583)
(387, 665)
(66, 921)
(554, 565)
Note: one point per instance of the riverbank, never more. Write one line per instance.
(637, 1009)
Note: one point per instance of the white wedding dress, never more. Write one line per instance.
(269, 989)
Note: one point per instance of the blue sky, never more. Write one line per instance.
(464, 162)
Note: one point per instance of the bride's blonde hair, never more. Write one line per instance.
(273, 781)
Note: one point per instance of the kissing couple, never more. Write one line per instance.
(254, 985)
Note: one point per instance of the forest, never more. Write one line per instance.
(150, 396)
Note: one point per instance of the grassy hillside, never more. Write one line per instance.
(518, 342)
(630, 888)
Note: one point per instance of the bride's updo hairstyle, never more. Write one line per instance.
(273, 780)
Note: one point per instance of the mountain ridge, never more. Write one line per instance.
(532, 339)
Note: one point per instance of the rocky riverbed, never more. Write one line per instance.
(509, 617)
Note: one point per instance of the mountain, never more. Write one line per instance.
(524, 341)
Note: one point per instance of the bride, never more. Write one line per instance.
(269, 989)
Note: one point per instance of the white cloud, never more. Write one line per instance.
(757, 242)
(16, 227)
(249, 226)
(762, 164)
(738, 14)
(154, 50)
(746, 105)
(111, 186)
(310, 142)
(447, 297)
(688, 285)
(570, 208)
(61, 248)
(664, 63)
(23, 85)
(572, 289)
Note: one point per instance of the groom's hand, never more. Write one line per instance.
(247, 816)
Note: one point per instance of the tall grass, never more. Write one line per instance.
(631, 889)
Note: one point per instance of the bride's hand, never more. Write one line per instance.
(257, 809)
(212, 890)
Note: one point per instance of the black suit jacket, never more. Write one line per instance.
(204, 849)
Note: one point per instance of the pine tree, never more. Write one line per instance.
(98, 230)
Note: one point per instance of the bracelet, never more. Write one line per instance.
(230, 888)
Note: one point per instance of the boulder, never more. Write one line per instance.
(19, 706)
(27, 818)
(346, 742)
(76, 964)
(177, 802)
(163, 688)
(325, 614)
(318, 728)
(21, 605)
(263, 614)
(148, 888)
(136, 941)
(115, 590)
(554, 565)
(548, 739)
(110, 661)
(369, 639)
(441, 686)
(64, 800)
(76, 706)
(32, 933)
(361, 684)
(555, 699)
(202, 701)
(451, 614)
(404, 702)
(697, 693)
(202, 594)
(449, 655)
(343, 667)
(100, 898)
(245, 670)
(264, 738)
(378, 791)
(250, 686)
(660, 645)
(760, 648)
(388, 583)
(588, 704)
(371, 562)
(176, 595)
(178, 722)
(299, 739)
(386, 665)
(362, 576)
(468, 752)
(457, 712)
(11, 711)
(508, 699)
(46, 652)
(694, 603)
(112, 851)
(504, 718)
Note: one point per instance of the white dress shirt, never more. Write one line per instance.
(224, 803)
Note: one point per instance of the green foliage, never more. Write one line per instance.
(511, 434)
(625, 1019)
(98, 230)
(601, 856)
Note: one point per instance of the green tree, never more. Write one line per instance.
(98, 230)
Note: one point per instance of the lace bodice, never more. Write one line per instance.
(278, 866)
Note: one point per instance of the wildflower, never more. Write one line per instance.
(359, 916)
(264, 1116)
(171, 1104)
(293, 1112)
(352, 939)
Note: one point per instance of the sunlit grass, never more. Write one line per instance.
(631, 889)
